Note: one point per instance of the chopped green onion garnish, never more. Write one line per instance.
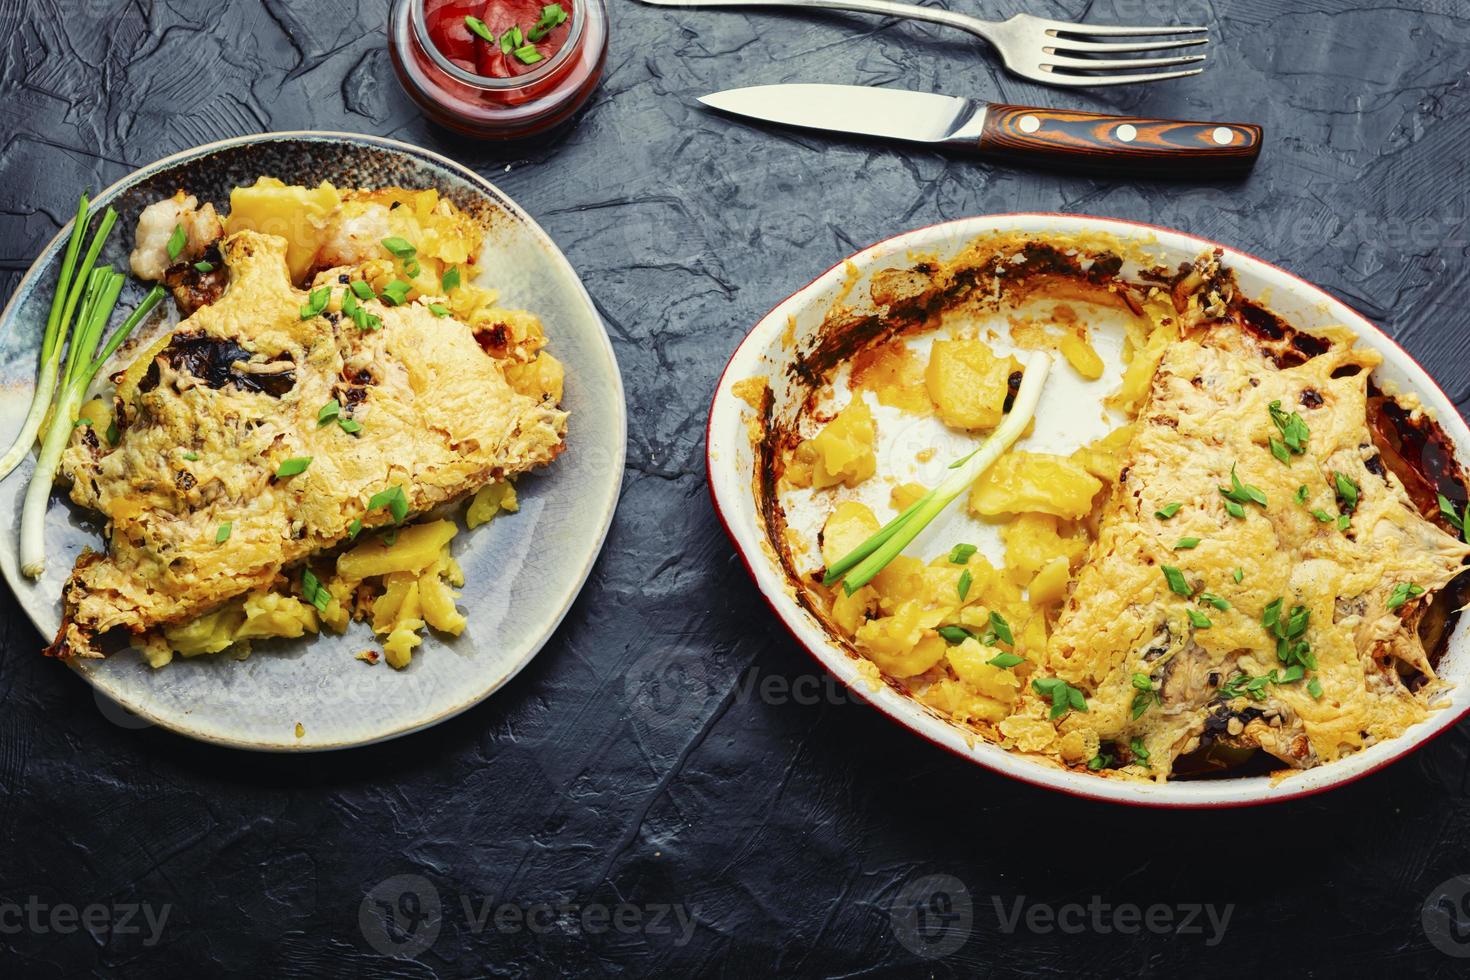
(1185, 544)
(1145, 695)
(1005, 660)
(450, 279)
(1234, 509)
(1279, 450)
(363, 290)
(350, 426)
(1209, 598)
(1242, 493)
(401, 248)
(1314, 687)
(1347, 492)
(396, 292)
(527, 54)
(961, 553)
(176, 242)
(293, 466)
(478, 28)
(1167, 511)
(1323, 516)
(1175, 578)
(1198, 619)
(438, 309)
(1301, 494)
(1238, 575)
(1448, 511)
(1402, 593)
(354, 529)
(963, 586)
(313, 591)
(955, 634)
(1000, 630)
(191, 456)
(328, 412)
(1139, 751)
(222, 533)
(202, 266)
(316, 303)
(1063, 696)
(392, 498)
(1294, 431)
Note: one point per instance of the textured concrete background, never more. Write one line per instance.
(736, 817)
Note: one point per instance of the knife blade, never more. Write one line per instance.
(1063, 137)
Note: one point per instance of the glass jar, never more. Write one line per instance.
(482, 88)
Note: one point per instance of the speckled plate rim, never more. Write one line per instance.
(608, 506)
(731, 491)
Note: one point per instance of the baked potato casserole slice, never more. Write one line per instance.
(279, 422)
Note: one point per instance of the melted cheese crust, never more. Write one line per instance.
(1208, 411)
(439, 420)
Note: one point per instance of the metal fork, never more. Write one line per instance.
(1055, 52)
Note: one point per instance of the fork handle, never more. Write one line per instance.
(1069, 138)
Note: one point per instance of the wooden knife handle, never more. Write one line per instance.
(1166, 147)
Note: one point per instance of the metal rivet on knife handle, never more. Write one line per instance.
(1091, 139)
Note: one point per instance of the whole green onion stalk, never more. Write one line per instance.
(858, 567)
(69, 289)
(82, 364)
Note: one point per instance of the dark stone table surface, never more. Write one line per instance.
(764, 824)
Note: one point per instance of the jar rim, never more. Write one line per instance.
(420, 25)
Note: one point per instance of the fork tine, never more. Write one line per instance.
(1056, 27)
(1067, 45)
(1083, 81)
(1099, 64)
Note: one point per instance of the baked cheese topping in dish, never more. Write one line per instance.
(1250, 568)
(277, 423)
(1295, 597)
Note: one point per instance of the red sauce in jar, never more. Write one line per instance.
(452, 35)
(488, 88)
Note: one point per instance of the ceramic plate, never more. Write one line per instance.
(1071, 414)
(522, 571)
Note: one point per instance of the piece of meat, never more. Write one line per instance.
(202, 228)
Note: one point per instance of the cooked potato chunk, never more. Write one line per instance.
(490, 500)
(843, 452)
(1103, 458)
(968, 383)
(1019, 483)
(1050, 584)
(1033, 540)
(903, 644)
(1080, 355)
(415, 549)
(849, 525)
(297, 214)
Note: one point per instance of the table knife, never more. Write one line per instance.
(1058, 137)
